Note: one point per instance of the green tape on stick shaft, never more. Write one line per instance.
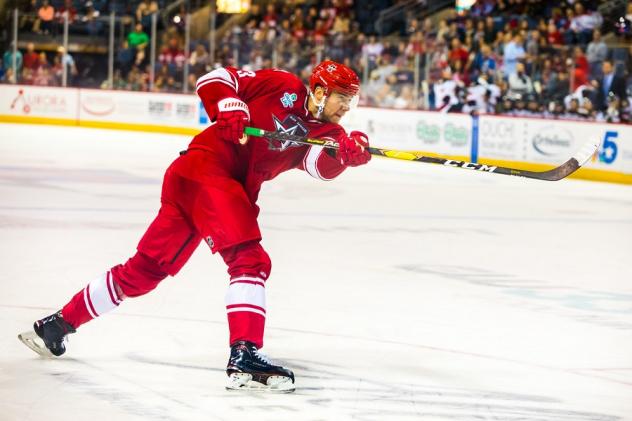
(253, 131)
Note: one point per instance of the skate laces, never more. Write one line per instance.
(262, 357)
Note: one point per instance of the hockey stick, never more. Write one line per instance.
(557, 173)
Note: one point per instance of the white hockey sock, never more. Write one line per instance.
(246, 294)
(101, 295)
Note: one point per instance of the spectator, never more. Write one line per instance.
(199, 60)
(45, 14)
(91, 21)
(483, 62)
(8, 59)
(584, 23)
(581, 71)
(608, 85)
(372, 50)
(490, 30)
(125, 58)
(8, 76)
(143, 13)
(558, 87)
(520, 83)
(553, 36)
(67, 61)
(137, 40)
(533, 47)
(31, 58)
(572, 111)
(60, 13)
(512, 52)
(596, 53)
(457, 53)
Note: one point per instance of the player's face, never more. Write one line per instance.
(336, 107)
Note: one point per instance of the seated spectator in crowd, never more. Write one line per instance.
(60, 15)
(172, 55)
(519, 82)
(584, 23)
(372, 50)
(8, 76)
(457, 53)
(553, 37)
(572, 111)
(558, 87)
(520, 106)
(125, 57)
(45, 16)
(534, 109)
(596, 53)
(200, 61)
(483, 62)
(90, 20)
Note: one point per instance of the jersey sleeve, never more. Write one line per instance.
(322, 163)
(246, 85)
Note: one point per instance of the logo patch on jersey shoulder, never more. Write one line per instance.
(290, 125)
(288, 100)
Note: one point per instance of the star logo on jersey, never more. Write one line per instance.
(288, 100)
(290, 125)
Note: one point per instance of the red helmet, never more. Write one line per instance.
(334, 76)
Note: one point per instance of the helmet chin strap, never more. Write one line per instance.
(320, 105)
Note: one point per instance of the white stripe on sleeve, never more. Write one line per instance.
(311, 162)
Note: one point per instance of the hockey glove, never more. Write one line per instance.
(232, 117)
(354, 149)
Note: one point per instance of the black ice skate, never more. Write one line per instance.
(248, 369)
(48, 335)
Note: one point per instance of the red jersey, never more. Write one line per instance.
(277, 100)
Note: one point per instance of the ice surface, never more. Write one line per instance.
(400, 291)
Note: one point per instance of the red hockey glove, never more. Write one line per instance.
(354, 149)
(233, 116)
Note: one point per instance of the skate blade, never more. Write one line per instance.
(275, 384)
(36, 343)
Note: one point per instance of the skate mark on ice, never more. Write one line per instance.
(122, 392)
(326, 386)
(381, 341)
(151, 361)
(595, 307)
(449, 403)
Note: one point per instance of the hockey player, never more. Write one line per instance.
(210, 193)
